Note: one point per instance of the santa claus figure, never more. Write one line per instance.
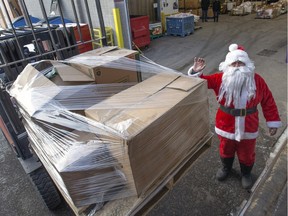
(239, 90)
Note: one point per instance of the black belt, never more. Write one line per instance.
(238, 112)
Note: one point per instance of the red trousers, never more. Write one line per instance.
(245, 150)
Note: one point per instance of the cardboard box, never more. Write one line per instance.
(90, 172)
(192, 4)
(33, 82)
(132, 54)
(104, 72)
(165, 116)
(95, 52)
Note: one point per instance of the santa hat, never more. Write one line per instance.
(237, 53)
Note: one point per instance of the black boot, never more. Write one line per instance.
(223, 172)
(246, 179)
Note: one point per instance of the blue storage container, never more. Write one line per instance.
(180, 26)
(57, 20)
(20, 21)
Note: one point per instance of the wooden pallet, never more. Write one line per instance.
(264, 18)
(244, 14)
(182, 35)
(153, 37)
(134, 206)
(197, 27)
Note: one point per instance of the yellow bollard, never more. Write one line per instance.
(118, 27)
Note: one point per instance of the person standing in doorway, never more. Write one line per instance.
(239, 90)
(216, 9)
(204, 6)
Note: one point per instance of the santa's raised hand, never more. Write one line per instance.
(199, 64)
(197, 68)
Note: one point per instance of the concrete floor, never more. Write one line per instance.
(198, 192)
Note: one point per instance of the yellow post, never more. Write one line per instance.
(118, 27)
(163, 22)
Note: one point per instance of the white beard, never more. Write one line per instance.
(234, 81)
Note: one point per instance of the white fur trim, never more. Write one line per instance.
(233, 47)
(222, 66)
(240, 120)
(237, 55)
(190, 71)
(232, 135)
(274, 124)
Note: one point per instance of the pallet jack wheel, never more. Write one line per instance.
(46, 188)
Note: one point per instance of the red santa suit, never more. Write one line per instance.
(243, 129)
(238, 134)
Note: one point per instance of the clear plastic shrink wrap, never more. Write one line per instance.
(103, 133)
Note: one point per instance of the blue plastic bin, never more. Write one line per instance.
(57, 20)
(180, 26)
(20, 21)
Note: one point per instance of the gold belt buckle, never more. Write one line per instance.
(243, 112)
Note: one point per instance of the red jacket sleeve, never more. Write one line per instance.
(213, 81)
(268, 104)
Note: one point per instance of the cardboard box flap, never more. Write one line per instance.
(101, 50)
(125, 99)
(95, 52)
(31, 77)
(32, 89)
(185, 83)
(120, 53)
(132, 121)
(68, 73)
(156, 82)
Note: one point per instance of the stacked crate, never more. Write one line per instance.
(85, 34)
(193, 6)
(98, 36)
(179, 25)
(140, 31)
(155, 30)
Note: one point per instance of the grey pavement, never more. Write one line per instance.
(198, 192)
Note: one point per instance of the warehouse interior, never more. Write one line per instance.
(165, 35)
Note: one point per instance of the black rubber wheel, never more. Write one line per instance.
(46, 188)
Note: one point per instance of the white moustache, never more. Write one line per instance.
(232, 70)
(243, 69)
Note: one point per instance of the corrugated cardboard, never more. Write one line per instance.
(29, 84)
(167, 120)
(68, 73)
(128, 97)
(121, 53)
(106, 75)
(37, 84)
(189, 4)
(85, 169)
(95, 52)
(192, 4)
(103, 74)
(149, 129)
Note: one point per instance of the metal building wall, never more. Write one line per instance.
(107, 10)
(142, 7)
(107, 6)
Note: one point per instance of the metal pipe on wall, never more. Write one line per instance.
(101, 22)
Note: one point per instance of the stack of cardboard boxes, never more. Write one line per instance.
(194, 7)
(121, 144)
